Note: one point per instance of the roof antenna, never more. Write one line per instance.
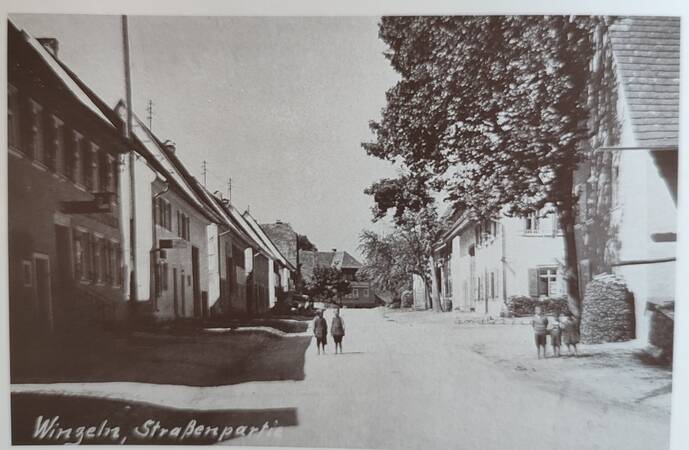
(149, 110)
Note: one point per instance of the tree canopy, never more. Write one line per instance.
(328, 285)
(490, 109)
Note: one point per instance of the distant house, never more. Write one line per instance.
(628, 187)
(362, 294)
(288, 241)
(280, 270)
(176, 233)
(478, 265)
(64, 229)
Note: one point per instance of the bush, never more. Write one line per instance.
(523, 305)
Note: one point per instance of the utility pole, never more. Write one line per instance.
(133, 285)
(229, 189)
(149, 110)
(204, 171)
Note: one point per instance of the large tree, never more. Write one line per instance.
(491, 109)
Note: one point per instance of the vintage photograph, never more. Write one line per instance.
(396, 232)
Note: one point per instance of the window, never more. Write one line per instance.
(90, 166)
(78, 158)
(81, 255)
(167, 219)
(13, 126)
(238, 256)
(492, 285)
(98, 260)
(161, 280)
(156, 211)
(355, 293)
(56, 147)
(117, 264)
(114, 173)
(532, 223)
(93, 258)
(485, 232)
(179, 223)
(185, 227)
(36, 134)
(365, 293)
(548, 282)
(104, 172)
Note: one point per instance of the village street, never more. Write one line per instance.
(413, 380)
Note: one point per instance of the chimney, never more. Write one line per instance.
(170, 146)
(50, 44)
(334, 250)
(278, 221)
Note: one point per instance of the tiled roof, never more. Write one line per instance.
(346, 261)
(339, 260)
(646, 53)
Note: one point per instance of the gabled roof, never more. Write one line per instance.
(70, 82)
(646, 54)
(343, 260)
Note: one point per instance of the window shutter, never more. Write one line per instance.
(533, 282)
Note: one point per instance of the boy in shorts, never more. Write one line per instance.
(539, 323)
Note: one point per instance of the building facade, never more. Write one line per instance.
(628, 186)
(362, 294)
(63, 180)
(478, 266)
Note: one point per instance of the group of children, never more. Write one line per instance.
(561, 332)
(320, 331)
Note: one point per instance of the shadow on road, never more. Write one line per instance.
(197, 360)
(106, 421)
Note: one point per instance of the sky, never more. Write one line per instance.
(278, 104)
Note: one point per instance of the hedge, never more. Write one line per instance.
(522, 305)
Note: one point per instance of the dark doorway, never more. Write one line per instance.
(63, 280)
(175, 299)
(195, 281)
(43, 292)
(183, 290)
(229, 276)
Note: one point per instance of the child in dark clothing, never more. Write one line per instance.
(320, 331)
(337, 330)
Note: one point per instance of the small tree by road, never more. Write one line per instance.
(392, 258)
(328, 285)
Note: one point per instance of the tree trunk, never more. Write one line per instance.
(434, 287)
(566, 212)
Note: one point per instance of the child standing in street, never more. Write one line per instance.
(570, 333)
(320, 331)
(556, 335)
(337, 329)
(539, 323)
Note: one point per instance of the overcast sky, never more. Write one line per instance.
(280, 105)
